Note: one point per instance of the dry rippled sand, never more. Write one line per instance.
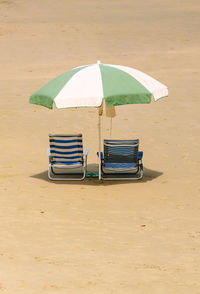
(120, 237)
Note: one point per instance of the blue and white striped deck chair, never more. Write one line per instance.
(66, 153)
(121, 160)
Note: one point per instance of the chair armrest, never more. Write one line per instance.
(86, 151)
(48, 152)
(49, 155)
(140, 155)
(101, 155)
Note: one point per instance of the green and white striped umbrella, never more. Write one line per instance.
(87, 86)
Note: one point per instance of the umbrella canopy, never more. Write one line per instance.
(87, 86)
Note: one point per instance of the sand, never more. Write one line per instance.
(90, 237)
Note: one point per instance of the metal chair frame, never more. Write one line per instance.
(82, 167)
(129, 154)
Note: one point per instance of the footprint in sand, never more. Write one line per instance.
(53, 287)
(151, 267)
(49, 261)
(194, 234)
(1, 287)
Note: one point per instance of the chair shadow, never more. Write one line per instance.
(149, 175)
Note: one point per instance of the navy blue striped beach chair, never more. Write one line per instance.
(66, 155)
(121, 160)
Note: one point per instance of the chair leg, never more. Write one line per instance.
(51, 171)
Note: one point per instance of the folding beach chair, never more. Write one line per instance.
(121, 160)
(66, 154)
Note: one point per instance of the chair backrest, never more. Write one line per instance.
(66, 148)
(121, 151)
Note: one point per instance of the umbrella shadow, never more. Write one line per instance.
(149, 175)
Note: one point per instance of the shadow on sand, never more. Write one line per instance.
(149, 175)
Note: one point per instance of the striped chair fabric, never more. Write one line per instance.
(121, 154)
(66, 149)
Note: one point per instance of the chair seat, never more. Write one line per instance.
(68, 164)
(120, 165)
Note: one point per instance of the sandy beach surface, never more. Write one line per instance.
(90, 237)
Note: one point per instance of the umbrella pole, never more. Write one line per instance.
(99, 125)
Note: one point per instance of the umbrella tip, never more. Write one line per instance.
(98, 61)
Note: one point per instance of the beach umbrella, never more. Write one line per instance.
(90, 85)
